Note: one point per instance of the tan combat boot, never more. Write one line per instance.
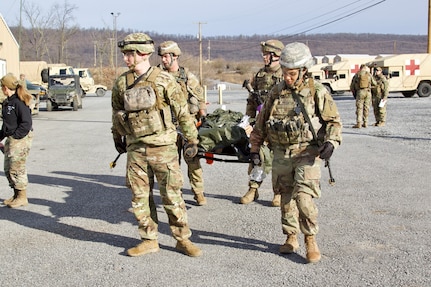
(381, 124)
(145, 247)
(313, 252)
(200, 199)
(19, 200)
(276, 200)
(365, 124)
(291, 244)
(15, 194)
(188, 248)
(251, 195)
(357, 126)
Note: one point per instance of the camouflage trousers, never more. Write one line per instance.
(297, 175)
(379, 113)
(266, 157)
(15, 156)
(163, 162)
(363, 102)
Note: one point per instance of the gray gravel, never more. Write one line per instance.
(375, 222)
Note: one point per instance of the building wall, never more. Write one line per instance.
(9, 50)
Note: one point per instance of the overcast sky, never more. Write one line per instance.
(240, 17)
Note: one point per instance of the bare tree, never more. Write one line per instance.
(39, 23)
(64, 27)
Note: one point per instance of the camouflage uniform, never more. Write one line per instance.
(363, 98)
(297, 152)
(380, 92)
(296, 165)
(262, 83)
(196, 100)
(151, 136)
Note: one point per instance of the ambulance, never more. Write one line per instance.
(407, 73)
(339, 75)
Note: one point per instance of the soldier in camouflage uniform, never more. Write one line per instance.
(362, 96)
(169, 52)
(380, 93)
(18, 131)
(298, 151)
(262, 82)
(144, 101)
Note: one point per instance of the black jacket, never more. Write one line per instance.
(17, 121)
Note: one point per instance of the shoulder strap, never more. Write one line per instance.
(304, 111)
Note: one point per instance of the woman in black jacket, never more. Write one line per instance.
(17, 129)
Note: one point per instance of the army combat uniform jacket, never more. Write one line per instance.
(170, 102)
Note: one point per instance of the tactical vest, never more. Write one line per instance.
(264, 81)
(286, 124)
(192, 100)
(144, 110)
(364, 80)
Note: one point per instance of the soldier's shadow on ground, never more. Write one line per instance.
(105, 197)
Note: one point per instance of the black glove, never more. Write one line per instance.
(326, 150)
(190, 150)
(255, 158)
(120, 143)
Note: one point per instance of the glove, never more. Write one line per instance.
(326, 150)
(120, 143)
(255, 158)
(190, 150)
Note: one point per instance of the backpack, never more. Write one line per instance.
(364, 80)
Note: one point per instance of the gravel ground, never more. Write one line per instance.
(374, 223)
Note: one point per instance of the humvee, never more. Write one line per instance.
(64, 90)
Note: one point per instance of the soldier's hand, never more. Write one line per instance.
(255, 158)
(326, 150)
(190, 150)
(120, 143)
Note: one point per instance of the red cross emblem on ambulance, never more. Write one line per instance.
(412, 67)
(354, 69)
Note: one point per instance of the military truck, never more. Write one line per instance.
(339, 75)
(87, 82)
(318, 71)
(407, 73)
(64, 90)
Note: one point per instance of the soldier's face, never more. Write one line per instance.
(266, 58)
(290, 76)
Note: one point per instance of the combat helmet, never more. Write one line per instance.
(272, 46)
(169, 47)
(137, 42)
(296, 56)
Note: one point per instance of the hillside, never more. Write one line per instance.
(236, 57)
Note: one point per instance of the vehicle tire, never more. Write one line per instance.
(100, 92)
(328, 88)
(48, 105)
(424, 90)
(409, 94)
(75, 104)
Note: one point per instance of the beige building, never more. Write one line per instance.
(9, 50)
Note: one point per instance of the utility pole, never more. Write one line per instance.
(95, 53)
(200, 52)
(209, 50)
(115, 15)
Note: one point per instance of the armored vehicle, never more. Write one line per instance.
(64, 90)
(87, 82)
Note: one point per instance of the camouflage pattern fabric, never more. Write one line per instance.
(262, 82)
(296, 165)
(16, 152)
(380, 92)
(157, 153)
(163, 162)
(363, 97)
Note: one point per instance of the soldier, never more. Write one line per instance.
(380, 94)
(262, 82)
(18, 131)
(144, 100)
(169, 52)
(298, 115)
(361, 88)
